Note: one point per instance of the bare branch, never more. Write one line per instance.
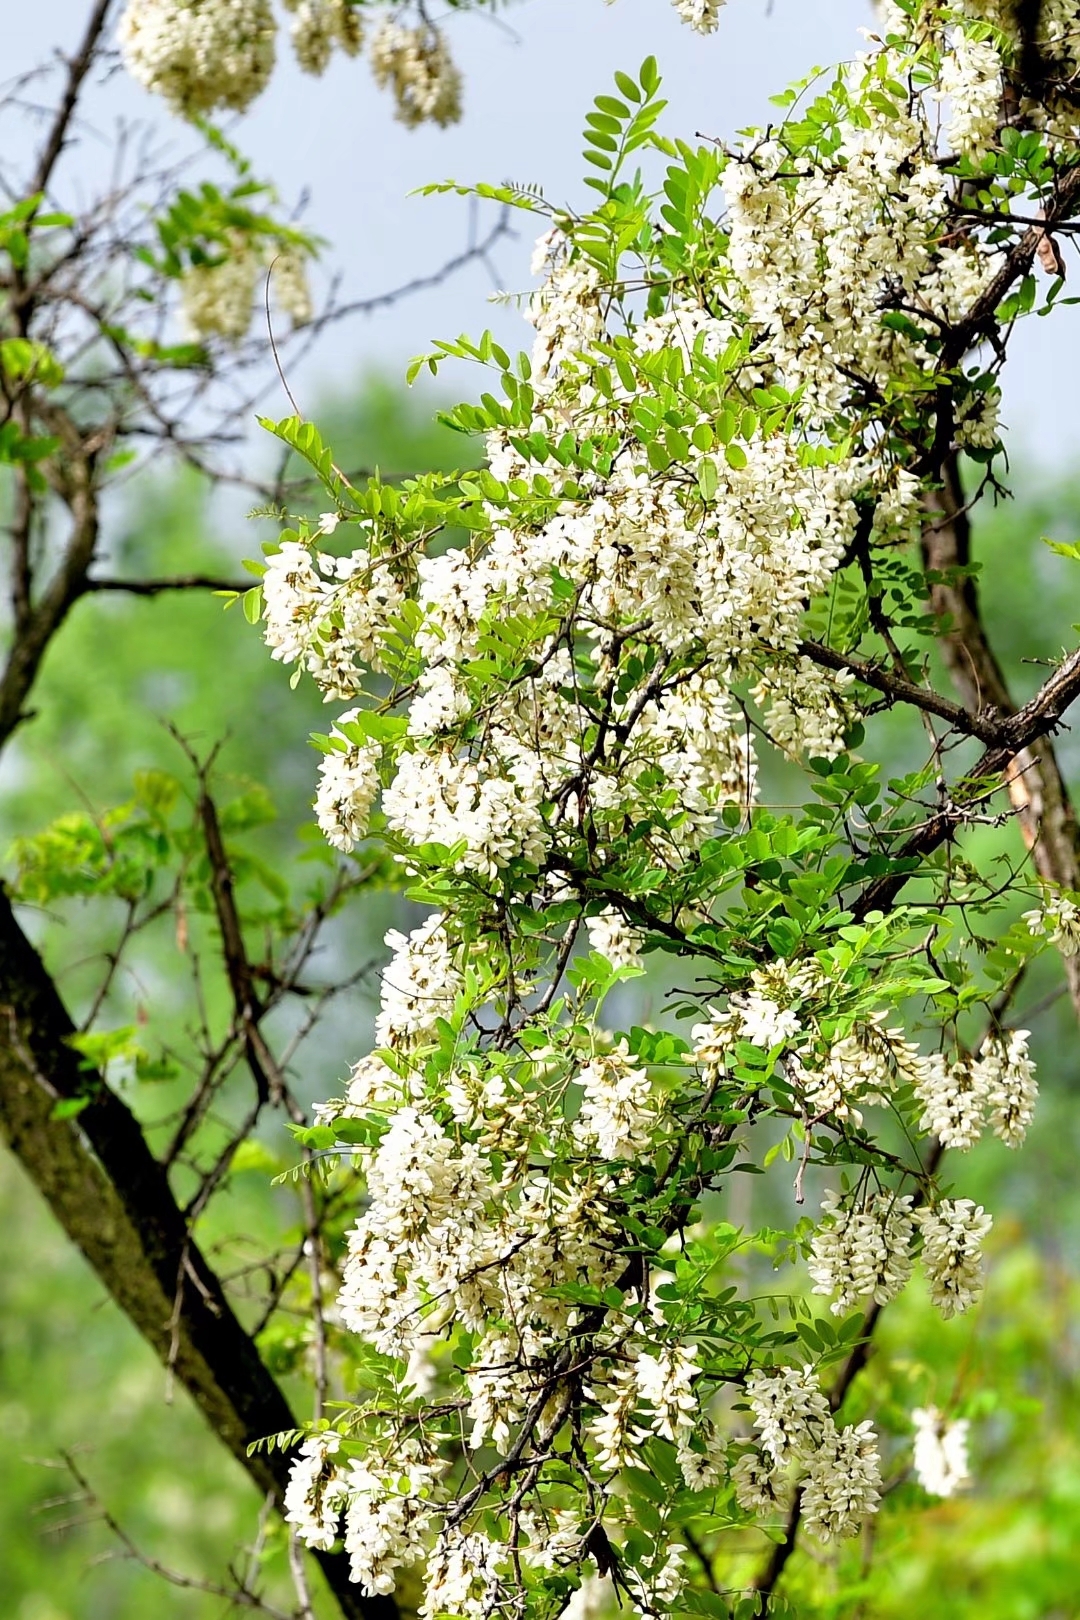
(180, 582)
(78, 67)
(898, 690)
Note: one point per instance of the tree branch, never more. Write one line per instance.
(113, 1199)
(1035, 720)
(180, 582)
(67, 584)
(1037, 790)
(898, 690)
(1018, 262)
(78, 67)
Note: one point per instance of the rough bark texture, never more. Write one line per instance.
(1037, 789)
(114, 1201)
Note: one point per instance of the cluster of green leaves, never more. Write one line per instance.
(198, 226)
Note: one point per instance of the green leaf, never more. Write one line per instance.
(69, 1107)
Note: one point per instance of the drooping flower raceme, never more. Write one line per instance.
(206, 55)
(941, 1452)
(415, 64)
(200, 55)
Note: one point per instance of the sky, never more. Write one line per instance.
(530, 76)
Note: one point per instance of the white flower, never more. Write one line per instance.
(704, 15)
(462, 1576)
(862, 1253)
(617, 1114)
(416, 65)
(419, 986)
(217, 300)
(665, 1381)
(842, 1488)
(713, 1040)
(1007, 1076)
(857, 1068)
(790, 1412)
(289, 285)
(319, 25)
(615, 1433)
(972, 81)
(440, 798)
(941, 1452)
(701, 1470)
(199, 54)
(316, 1492)
(760, 1486)
(807, 711)
(762, 1022)
(954, 1097)
(952, 1252)
(327, 613)
(425, 1219)
(614, 939)
(348, 783)
(294, 598)
(1058, 918)
(387, 1517)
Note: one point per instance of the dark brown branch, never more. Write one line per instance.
(180, 582)
(1037, 790)
(113, 1199)
(78, 67)
(21, 534)
(899, 690)
(1018, 261)
(67, 584)
(248, 1007)
(1035, 720)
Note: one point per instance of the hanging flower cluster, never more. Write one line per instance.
(217, 298)
(684, 558)
(203, 56)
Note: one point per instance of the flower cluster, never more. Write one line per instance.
(704, 15)
(318, 26)
(998, 1086)
(839, 1469)
(416, 65)
(328, 614)
(1057, 919)
(348, 783)
(204, 55)
(952, 1235)
(941, 1452)
(218, 299)
(865, 1252)
(862, 1252)
(386, 1505)
(200, 55)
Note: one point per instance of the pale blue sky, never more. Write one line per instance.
(530, 78)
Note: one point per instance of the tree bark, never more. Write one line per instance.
(113, 1199)
(1037, 790)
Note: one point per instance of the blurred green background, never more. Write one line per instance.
(74, 1377)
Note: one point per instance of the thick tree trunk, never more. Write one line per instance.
(113, 1199)
(1037, 790)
